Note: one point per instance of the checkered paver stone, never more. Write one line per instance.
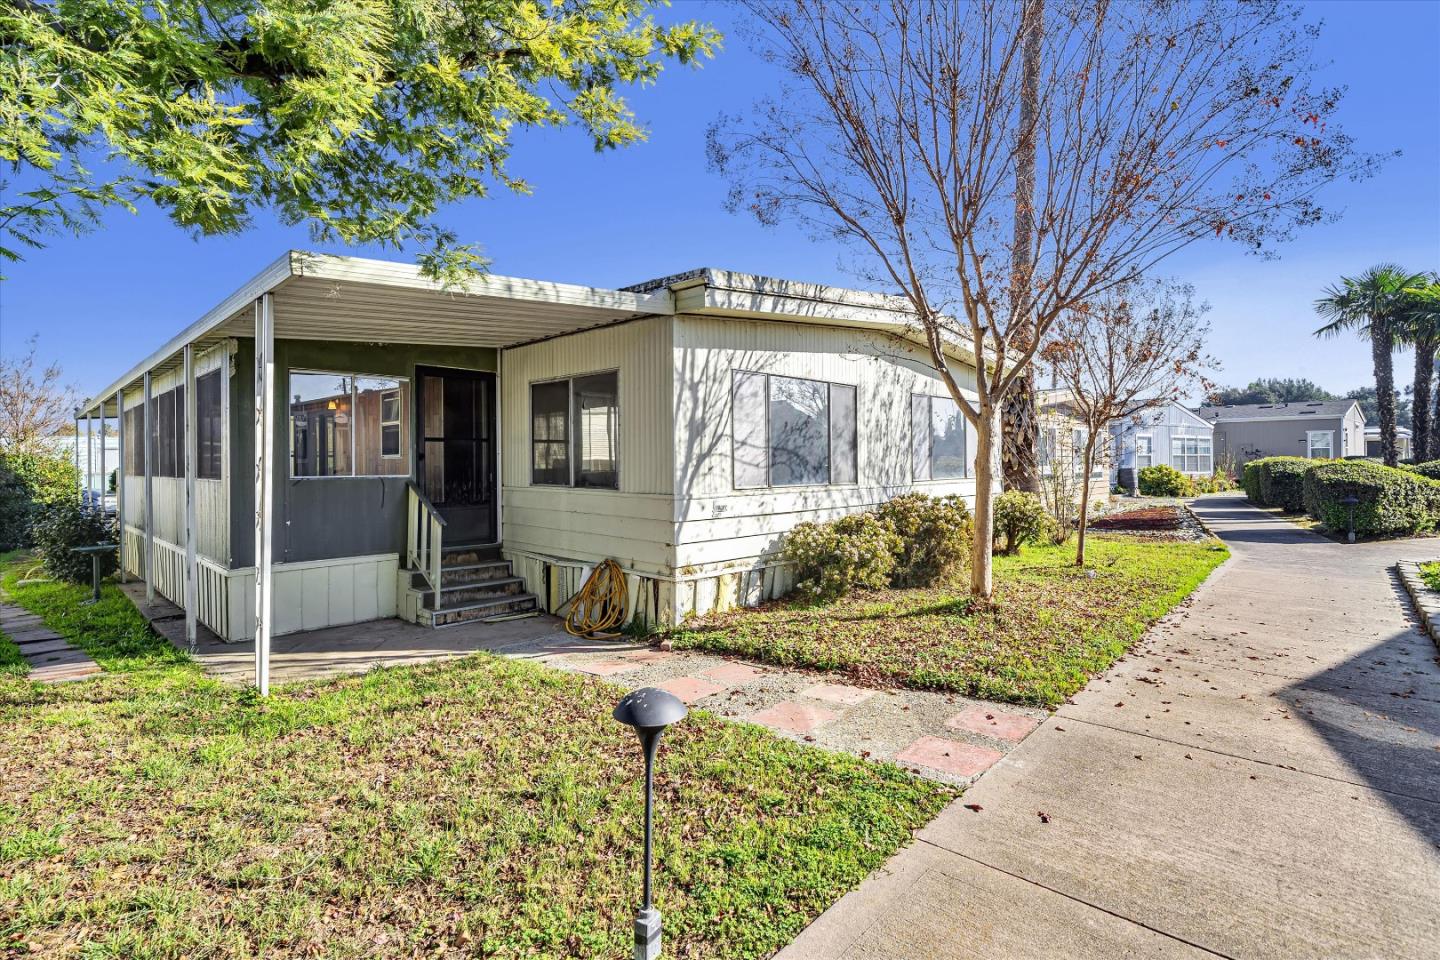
(792, 717)
(838, 693)
(732, 673)
(690, 689)
(993, 723)
(949, 756)
(606, 668)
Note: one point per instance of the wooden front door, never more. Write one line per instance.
(456, 451)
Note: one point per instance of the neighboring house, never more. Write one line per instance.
(1168, 433)
(1404, 442)
(1321, 429)
(499, 442)
(1062, 443)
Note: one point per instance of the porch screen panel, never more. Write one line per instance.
(177, 433)
(208, 426)
(597, 430)
(749, 448)
(432, 426)
(799, 432)
(550, 433)
(134, 427)
(843, 453)
(382, 443)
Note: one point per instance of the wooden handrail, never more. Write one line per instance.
(424, 533)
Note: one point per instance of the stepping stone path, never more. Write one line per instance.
(53, 659)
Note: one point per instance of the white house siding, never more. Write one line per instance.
(1162, 425)
(727, 538)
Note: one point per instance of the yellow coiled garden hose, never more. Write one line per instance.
(601, 604)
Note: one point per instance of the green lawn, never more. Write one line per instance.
(1049, 628)
(481, 807)
(1430, 573)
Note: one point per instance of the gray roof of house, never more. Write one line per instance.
(1305, 409)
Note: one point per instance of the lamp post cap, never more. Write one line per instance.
(650, 708)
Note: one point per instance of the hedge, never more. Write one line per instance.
(1277, 482)
(1430, 468)
(1392, 501)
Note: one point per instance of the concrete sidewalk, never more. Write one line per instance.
(1260, 779)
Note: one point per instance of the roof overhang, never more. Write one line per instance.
(324, 297)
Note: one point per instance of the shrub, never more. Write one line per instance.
(1282, 482)
(1250, 482)
(62, 526)
(1163, 480)
(831, 559)
(1020, 518)
(1217, 482)
(933, 534)
(1430, 468)
(30, 482)
(1392, 501)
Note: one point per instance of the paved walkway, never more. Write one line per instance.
(1261, 779)
(53, 659)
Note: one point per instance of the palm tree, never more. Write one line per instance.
(1419, 327)
(1374, 305)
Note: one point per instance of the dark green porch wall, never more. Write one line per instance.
(323, 518)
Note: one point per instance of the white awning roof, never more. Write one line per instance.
(323, 297)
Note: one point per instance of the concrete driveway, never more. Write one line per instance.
(1260, 779)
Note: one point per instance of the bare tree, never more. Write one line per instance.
(1157, 124)
(1134, 348)
(34, 403)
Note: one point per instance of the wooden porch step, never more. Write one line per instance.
(481, 610)
(467, 554)
(476, 572)
(463, 593)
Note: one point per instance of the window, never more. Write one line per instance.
(338, 425)
(1190, 454)
(575, 431)
(1320, 444)
(1078, 436)
(134, 427)
(1047, 441)
(792, 432)
(208, 426)
(937, 435)
(1144, 451)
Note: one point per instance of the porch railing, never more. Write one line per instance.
(425, 529)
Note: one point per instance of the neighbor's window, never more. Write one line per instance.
(937, 437)
(1190, 454)
(575, 431)
(792, 432)
(390, 424)
(1320, 444)
(338, 426)
(1046, 443)
(208, 426)
(1144, 451)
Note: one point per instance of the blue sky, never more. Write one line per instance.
(102, 301)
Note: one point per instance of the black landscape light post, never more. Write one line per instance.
(649, 711)
(1350, 502)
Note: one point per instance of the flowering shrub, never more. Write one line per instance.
(934, 535)
(831, 559)
(1020, 518)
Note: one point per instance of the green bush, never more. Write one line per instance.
(1250, 482)
(1393, 502)
(831, 559)
(1430, 468)
(1217, 482)
(1282, 482)
(1020, 518)
(29, 482)
(1163, 480)
(934, 536)
(59, 528)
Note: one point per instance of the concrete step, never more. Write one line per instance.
(480, 610)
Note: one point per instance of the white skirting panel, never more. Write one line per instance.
(308, 596)
(655, 600)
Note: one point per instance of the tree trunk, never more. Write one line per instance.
(1087, 466)
(1420, 426)
(1382, 346)
(987, 472)
(1021, 434)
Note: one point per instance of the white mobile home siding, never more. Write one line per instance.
(1162, 425)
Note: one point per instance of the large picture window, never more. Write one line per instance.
(575, 431)
(1190, 454)
(792, 432)
(338, 425)
(938, 441)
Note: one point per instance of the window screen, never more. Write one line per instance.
(208, 426)
(751, 451)
(550, 433)
(597, 430)
(938, 445)
(843, 446)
